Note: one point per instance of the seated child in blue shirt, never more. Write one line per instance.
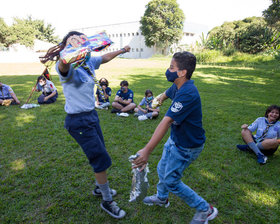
(49, 91)
(267, 138)
(6, 93)
(101, 103)
(147, 111)
(123, 102)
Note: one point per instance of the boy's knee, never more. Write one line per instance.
(41, 99)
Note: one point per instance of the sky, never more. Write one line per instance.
(66, 15)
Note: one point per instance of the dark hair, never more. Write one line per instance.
(41, 78)
(53, 53)
(124, 83)
(185, 61)
(148, 92)
(271, 108)
(106, 81)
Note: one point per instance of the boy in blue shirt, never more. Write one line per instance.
(123, 102)
(185, 142)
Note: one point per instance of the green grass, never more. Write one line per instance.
(45, 177)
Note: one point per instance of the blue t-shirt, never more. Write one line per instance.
(78, 87)
(108, 92)
(260, 124)
(6, 92)
(125, 96)
(185, 110)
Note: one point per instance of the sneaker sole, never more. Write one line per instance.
(213, 215)
(111, 214)
(161, 205)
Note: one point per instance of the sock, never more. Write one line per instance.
(105, 191)
(254, 147)
(260, 146)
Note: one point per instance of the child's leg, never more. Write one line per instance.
(128, 107)
(106, 104)
(103, 184)
(248, 139)
(162, 191)
(176, 162)
(41, 99)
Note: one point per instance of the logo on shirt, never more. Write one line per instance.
(176, 107)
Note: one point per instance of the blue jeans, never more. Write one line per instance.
(170, 170)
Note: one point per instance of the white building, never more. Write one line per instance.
(130, 34)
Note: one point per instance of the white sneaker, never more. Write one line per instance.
(142, 118)
(123, 114)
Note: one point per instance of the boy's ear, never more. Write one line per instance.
(182, 73)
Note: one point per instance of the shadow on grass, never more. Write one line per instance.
(45, 176)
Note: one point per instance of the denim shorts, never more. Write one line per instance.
(85, 129)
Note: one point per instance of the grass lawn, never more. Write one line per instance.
(45, 177)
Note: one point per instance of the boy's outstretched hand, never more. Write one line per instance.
(141, 160)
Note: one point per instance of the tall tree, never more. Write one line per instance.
(162, 23)
(272, 14)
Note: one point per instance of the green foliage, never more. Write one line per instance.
(25, 31)
(46, 178)
(207, 56)
(253, 37)
(4, 32)
(272, 14)
(162, 23)
(250, 35)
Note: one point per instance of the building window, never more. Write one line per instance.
(132, 34)
(141, 49)
(136, 49)
(132, 49)
(113, 35)
(128, 34)
(120, 35)
(116, 35)
(124, 34)
(137, 33)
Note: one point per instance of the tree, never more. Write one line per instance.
(272, 14)
(4, 31)
(25, 31)
(162, 23)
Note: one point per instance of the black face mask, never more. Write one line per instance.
(103, 84)
(171, 76)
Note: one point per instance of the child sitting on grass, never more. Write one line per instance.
(49, 91)
(147, 111)
(100, 102)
